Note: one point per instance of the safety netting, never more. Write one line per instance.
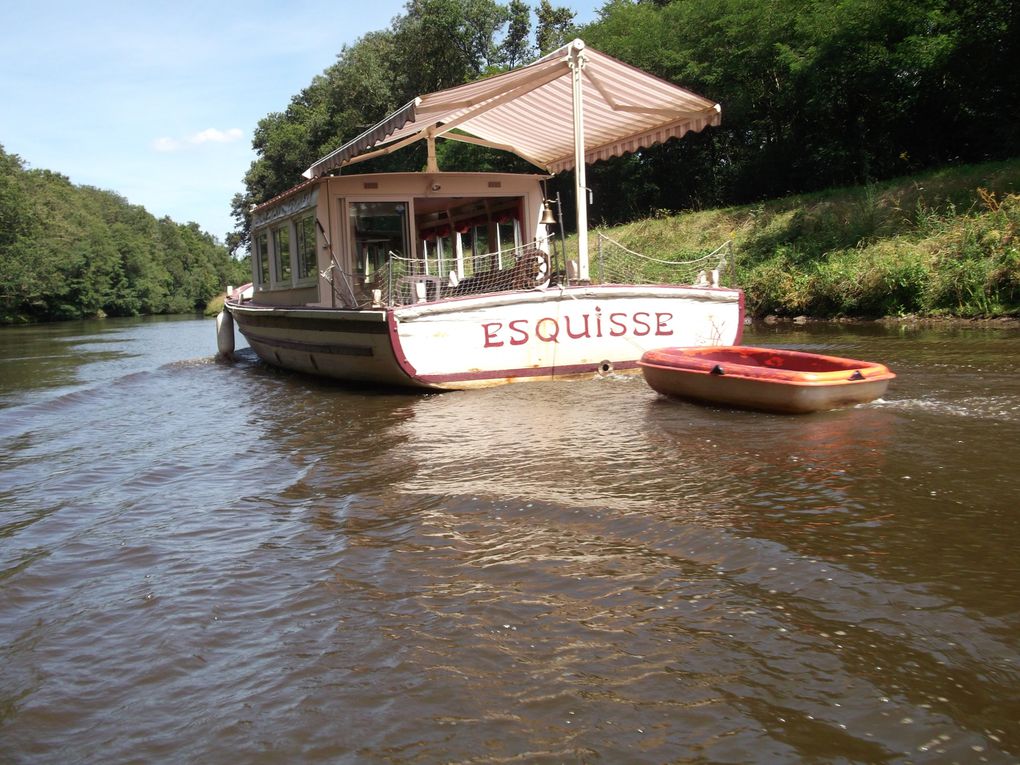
(536, 265)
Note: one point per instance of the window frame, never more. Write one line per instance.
(263, 260)
(282, 227)
(310, 278)
(283, 275)
(354, 257)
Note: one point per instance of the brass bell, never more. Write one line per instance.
(547, 219)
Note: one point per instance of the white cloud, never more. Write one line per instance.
(209, 135)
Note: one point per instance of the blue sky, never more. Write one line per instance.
(158, 101)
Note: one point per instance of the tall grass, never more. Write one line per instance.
(946, 243)
(214, 306)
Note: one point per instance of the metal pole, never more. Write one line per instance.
(576, 61)
(563, 240)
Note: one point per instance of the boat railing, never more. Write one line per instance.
(614, 263)
(405, 281)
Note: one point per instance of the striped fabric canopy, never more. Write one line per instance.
(529, 112)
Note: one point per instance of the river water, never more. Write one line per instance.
(213, 563)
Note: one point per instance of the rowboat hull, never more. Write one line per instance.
(480, 341)
(790, 382)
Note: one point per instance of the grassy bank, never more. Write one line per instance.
(214, 306)
(946, 243)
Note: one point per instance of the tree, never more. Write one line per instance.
(516, 47)
(814, 93)
(69, 252)
(349, 96)
(434, 45)
(15, 214)
(16, 224)
(442, 43)
(555, 27)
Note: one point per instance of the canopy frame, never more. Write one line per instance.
(522, 112)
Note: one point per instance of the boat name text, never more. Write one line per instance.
(552, 330)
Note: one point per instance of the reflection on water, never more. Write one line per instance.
(209, 562)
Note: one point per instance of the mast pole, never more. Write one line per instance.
(576, 61)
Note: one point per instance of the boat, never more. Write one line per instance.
(767, 379)
(453, 280)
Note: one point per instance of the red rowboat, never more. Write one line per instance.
(772, 380)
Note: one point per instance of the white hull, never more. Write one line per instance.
(480, 341)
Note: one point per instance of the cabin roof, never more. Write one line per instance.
(529, 112)
(283, 195)
(407, 178)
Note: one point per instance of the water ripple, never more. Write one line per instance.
(211, 562)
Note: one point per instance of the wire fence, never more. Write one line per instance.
(613, 263)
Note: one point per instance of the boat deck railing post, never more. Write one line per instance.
(732, 263)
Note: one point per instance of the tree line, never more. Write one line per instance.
(69, 252)
(815, 93)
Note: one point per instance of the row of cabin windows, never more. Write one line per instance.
(285, 255)
(459, 251)
(381, 228)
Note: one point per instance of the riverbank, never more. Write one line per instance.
(942, 244)
(1005, 322)
(214, 306)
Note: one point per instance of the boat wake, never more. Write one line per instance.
(59, 405)
(982, 407)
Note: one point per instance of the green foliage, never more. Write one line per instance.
(69, 252)
(555, 26)
(516, 48)
(435, 44)
(361, 87)
(815, 95)
(884, 279)
(443, 43)
(776, 286)
(945, 243)
(977, 258)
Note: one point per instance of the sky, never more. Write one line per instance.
(158, 101)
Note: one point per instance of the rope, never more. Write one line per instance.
(702, 259)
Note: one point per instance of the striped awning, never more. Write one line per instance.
(529, 112)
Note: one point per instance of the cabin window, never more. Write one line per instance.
(480, 240)
(262, 276)
(285, 244)
(304, 229)
(468, 236)
(508, 233)
(377, 229)
(281, 253)
(439, 251)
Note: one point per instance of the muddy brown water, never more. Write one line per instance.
(225, 563)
